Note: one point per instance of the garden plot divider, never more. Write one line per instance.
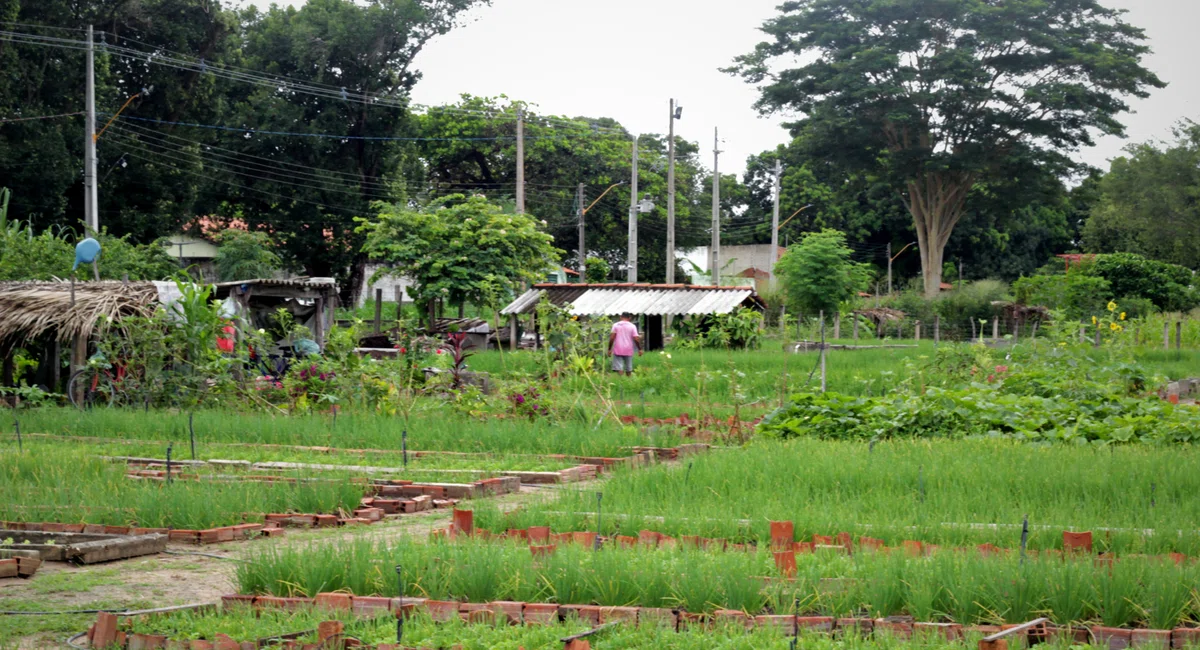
(106, 631)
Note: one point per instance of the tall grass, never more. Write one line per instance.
(66, 486)
(897, 490)
(960, 587)
(435, 430)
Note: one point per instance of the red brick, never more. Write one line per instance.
(104, 633)
(334, 601)
(586, 613)
(184, 536)
(659, 616)
(210, 536)
(621, 614)
(1151, 639)
(732, 616)
(898, 629)
(27, 566)
(8, 568)
(510, 611)
(1184, 637)
(783, 623)
(146, 641)
(947, 631)
(540, 613)
(326, 521)
(442, 611)
(370, 605)
(815, 623)
(1113, 637)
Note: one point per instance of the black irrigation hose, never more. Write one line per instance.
(215, 557)
(71, 641)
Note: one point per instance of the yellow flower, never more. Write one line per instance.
(1094, 321)
(1122, 315)
(1113, 326)
(1112, 306)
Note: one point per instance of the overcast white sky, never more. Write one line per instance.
(626, 58)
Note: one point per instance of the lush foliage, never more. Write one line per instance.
(459, 249)
(1139, 284)
(595, 270)
(245, 255)
(819, 274)
(1147, 204)
(740, 329)
(49, 254)
(925, 101)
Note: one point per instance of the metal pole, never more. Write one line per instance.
(631, 262)
(889, 256)
(715, 269)
(520, 160)
(671, 197)
(774, 252)
(582, 245)
(92, 218)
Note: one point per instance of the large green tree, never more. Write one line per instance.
(460, 249)
(1150, 202)
(941, 95)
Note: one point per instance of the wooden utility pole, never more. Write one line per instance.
(582, 243)
(520, 160)
(715, 253)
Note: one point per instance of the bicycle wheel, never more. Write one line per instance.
(90, 387)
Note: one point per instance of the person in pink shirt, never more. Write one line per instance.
(621, 344)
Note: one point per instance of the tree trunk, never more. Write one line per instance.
(936, 201)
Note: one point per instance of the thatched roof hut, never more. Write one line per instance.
(29, 310)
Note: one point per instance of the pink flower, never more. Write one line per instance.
(439, 351)
(991, 379)
(402, 350)
(1001, 369)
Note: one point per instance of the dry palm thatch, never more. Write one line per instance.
(30, 309)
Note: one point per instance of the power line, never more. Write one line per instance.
(40, 117)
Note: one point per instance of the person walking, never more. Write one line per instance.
(622, 342)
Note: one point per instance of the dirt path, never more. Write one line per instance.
(178, 578)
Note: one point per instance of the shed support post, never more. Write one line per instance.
(319, 330)
(512, 332)
(837, 326)
(78, 357)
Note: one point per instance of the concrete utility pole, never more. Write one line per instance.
(715, 257)
(520, 160)
(775, 225)
(671, 195)
(91, 195)
(631, 262)
(889, 256)
(582, 244)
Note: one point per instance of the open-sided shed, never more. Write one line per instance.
(652, 302)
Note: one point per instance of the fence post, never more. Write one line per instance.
(1096, 342)
(855, 328)
(837, 326)
(378, 310)
(937, 330)
(995, 329)
(822, 350)
(917, 331)
(1166, 336)
(1178, 335)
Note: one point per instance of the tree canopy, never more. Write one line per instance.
(1148, 202)
(459, 249)
(819, 274)
(938, 96)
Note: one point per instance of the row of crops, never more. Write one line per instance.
(964, 588)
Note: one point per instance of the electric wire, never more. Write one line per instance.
(39, 117)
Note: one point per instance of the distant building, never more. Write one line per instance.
(192, 251)
(394, 287)
(740, 265)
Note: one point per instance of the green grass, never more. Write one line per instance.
(900, 490)
(952, 587)
(421, 631)
(66, 486)
(485, 464)
(436, 429)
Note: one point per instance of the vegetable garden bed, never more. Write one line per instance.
(955, 588)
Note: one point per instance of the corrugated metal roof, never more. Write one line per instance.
(273, 282)
(615, 299)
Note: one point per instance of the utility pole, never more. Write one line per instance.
(631, 262)
(775, 224)
(582, 246)
(91, 195)
(889, 256)
(671, 197)
(520, 160)
(715, 256)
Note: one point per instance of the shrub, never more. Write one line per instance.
(1168, 286)
(819, 274)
